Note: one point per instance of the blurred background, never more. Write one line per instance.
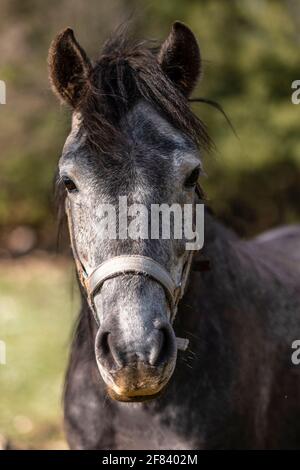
(250, 51)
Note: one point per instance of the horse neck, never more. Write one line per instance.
(210, 291)
(220, 249)
(219, 244)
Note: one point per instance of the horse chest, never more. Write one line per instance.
(137, 428)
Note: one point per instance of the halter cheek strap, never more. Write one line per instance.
(136, 264)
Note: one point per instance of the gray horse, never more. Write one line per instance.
(235, 386)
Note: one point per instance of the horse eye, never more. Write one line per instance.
(69, 185)
(192, 179)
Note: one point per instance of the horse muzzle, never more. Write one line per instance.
(140, 370)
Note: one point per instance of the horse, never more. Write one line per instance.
(129, 383)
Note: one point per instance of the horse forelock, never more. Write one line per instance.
(125, 73)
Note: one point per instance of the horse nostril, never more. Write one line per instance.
(102, 343)
(106, 352)
(163, 346)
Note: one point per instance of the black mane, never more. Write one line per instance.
(126, 72)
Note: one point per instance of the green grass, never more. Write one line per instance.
(36, 317)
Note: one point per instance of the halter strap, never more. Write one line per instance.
(119, 265)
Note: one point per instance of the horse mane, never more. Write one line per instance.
(126, 72)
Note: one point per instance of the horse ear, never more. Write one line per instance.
(179, 57)
(69, 68)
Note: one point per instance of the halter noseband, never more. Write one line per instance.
(136, 264)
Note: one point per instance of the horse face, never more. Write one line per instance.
(154, 163)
